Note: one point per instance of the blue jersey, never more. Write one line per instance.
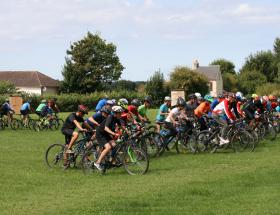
(6, 107)
(98, 117)
(25, 106)
(100, 104)
(278, 108)
(214, 104)
(164, 109)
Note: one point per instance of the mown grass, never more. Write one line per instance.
(223, 183)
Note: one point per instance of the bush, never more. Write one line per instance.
(269, 88)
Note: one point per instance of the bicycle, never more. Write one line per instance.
(55, 154)
(125, 154)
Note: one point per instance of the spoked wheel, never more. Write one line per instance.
(243, 141)
(186, 144)
(37, 126)
(14, 124)
(54, 156)
(204, 141)
(60, 123)
(260, 129)
(135, 161)
(54, 124)
(87, 162)
(151, 144)
(270, 132)
(152, 128)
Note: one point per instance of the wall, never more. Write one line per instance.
(31, 90)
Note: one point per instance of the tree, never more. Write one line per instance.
(226, 66)
(155, 87)
(7, 87)
(250, 80)
(262, 62)
(90, 64)
(125, 85)
(276, 48)
(190, 81)
(230, 82)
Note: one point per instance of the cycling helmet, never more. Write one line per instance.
(106, 110)
(198, 95)
(239, 95)
(7, 100)
(136, 102)
(192, 96)
(208, 98)
(83, 109)
(265, 98)
(109, 102)
(44, 101)
(221, 96)
(117, 109)
(123, 103)
(167, 98)
(181, 101)
(254, 96)
(271, 97)
(114, 101)
(148, 99)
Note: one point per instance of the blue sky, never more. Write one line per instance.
(149, 34)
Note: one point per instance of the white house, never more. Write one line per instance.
(213, 73)
(32, 82)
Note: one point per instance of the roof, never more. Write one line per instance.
(28, 79)
(211, 72)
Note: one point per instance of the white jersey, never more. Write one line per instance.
(175, 112)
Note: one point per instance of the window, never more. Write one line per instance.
(210, 84)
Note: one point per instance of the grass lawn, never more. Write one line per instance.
(223, 183)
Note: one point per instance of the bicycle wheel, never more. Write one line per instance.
(60, 122)
(186, 144)
(242, 141)
(53, 125)
(37, 126)
(204, 141)
(151, 143)
(54, 156)
(14, 124)
(270, 132)
(135, 161)
(152, 128)
(88, 159)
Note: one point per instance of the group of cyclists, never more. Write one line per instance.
(111, 115)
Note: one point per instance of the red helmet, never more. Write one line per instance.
(83, 109)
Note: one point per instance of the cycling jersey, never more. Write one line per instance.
(202, 109)
(133, 109)
(6, 107)
(223, 108)
(190, 107)
(163, 109)
(40, 107)
(100, 104)
(45, 111)
(69, 122)
(98, 117)
(25, 106)
(143, 110)
(175, 112)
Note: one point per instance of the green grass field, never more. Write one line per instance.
(224, 183)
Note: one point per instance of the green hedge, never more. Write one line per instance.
(69, 102)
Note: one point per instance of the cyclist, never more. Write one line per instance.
(68, 129)
(202, 110)
(191, 105)
(96, 119)
(216, 101)
(101, 103)
(25, 110)
(6, 109)
(40, 107)
(133, 108)
(218, 114)
(106, 133)
(163, 112)
(170, 121)
(143, 109)
(47, 111)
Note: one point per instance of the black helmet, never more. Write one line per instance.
(181, 101)
(148, 99)
(192, 96)
(136, 102)
(83, 109)
(221, 96)
(106, 110)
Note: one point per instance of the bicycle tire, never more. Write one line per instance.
(57, 158)
(135, 157)
(270, 132)
(87, 162)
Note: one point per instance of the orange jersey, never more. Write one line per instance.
(202, 109)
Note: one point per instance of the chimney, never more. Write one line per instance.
(195, 65)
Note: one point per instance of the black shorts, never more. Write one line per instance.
(102, 138)
(24, 112)
(68, 134)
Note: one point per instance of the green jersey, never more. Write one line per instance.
(40, 107)
(142, 110)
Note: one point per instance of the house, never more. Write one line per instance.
(32, 82)
(213, 73)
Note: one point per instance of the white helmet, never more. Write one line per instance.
(239, 95)
(198, 95)
(110, 102)
(117, 109)
(167, 98)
